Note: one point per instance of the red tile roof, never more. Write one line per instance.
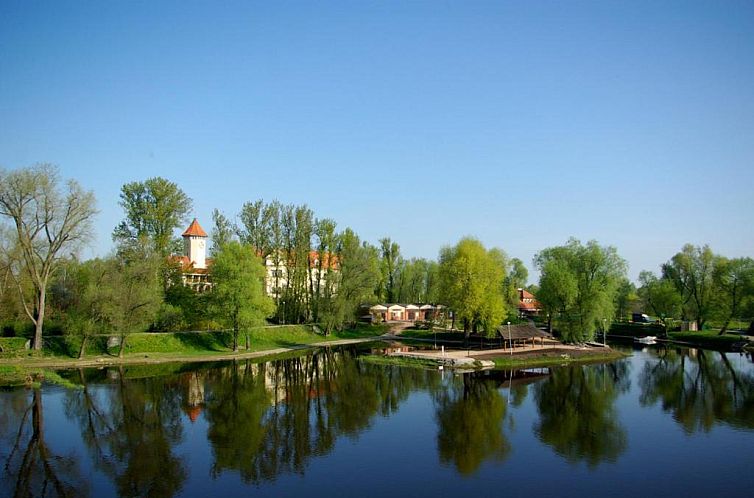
(194, 230)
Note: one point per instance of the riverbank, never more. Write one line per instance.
(187, 347)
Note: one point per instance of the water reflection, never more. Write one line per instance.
(130, 432)
(31, 467)
(269, 419)
(265, 421)
(470, 413)
(577, 415)
(699, 388)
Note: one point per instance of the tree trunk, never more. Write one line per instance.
(122, 346)
(83, 347)
(40, 319)
(725, 326)
(247, 341)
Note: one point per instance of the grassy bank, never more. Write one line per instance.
(184, 343)
(556, 360)
(402, 361)
(707, 339)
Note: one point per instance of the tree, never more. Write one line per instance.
(516, 279)
(223, 230)
(355, 281)
(734, 285)
(130, 293)
(389, 265)
(238, 299)
(578, 286)
(691, 272)
(154, 209)
(471, 283)
(625, 298)
(660, 297)
(47, 222)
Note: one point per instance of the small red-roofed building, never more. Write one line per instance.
(528, 304)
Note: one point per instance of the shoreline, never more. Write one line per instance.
(157, 358)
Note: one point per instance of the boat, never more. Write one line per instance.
(650, 339)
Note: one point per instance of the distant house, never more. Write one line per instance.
(528, 304)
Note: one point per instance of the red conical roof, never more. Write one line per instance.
(195, 230)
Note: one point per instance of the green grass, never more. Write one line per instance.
(707, 339)
(555, 360)
(403, 361)
(13, 376)
(428, 334)
(186, 343)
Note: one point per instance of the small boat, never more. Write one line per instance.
(650, 339)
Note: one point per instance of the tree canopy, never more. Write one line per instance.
(578, 286)
(154, 209)
(471, 284)
(47, 222)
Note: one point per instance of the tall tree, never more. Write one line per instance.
(47, 223)
(154, 209)
(516, 279)
(354, 283)
(238, 298)
(734, 285)
(578, 284)
(691, 272)
(389, 265)
(471, 283)
(223, 230)
(660, 297)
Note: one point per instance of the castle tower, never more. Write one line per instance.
(195, 245)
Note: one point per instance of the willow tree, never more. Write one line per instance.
(471, 284)
(238, 299)
(578, 284)
(47, 222)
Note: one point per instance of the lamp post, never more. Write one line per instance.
(604, 331)
(510, 337)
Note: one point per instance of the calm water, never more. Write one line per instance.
(663, 422)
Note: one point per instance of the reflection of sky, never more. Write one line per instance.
(397, 455)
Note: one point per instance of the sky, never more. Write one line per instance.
(519, 123)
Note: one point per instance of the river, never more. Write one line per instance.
(672, 422)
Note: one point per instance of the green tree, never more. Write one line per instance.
(390, 264)
(238, 299)
(514, 280)
(660, 297)
(578, 285)
(355, 281)
(47, 223)
(734, 286)
(471, 283)
(691, 272)
(154, 209)
(130, 293)
(223, 231)
(625, 299)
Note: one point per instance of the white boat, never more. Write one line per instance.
(650, 339)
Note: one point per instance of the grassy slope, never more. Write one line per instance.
(188, 343)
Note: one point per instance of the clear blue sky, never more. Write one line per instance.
(521, 123)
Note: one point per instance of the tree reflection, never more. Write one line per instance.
(699, 388)
(272, 418)
(131, 430)
(30, 466)
(577, 413)
(470, 430)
